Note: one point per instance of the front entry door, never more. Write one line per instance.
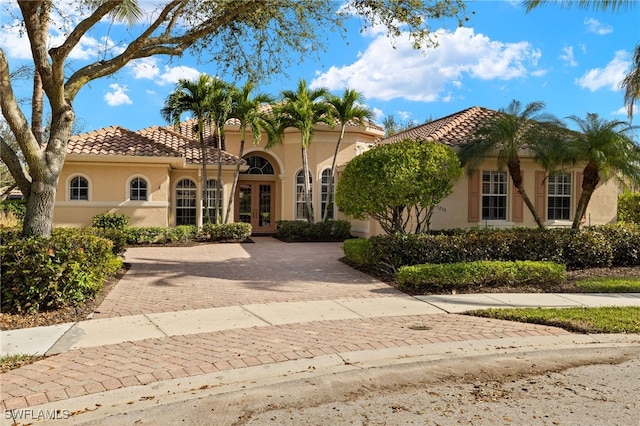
(255, 205)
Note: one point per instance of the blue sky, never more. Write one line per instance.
(571, 59)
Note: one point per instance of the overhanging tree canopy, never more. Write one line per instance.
(248, 37)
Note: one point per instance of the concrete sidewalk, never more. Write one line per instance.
(210, 316)
(64, 337)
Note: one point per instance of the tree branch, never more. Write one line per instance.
(11, 159)
(165, 44)
(15, 118)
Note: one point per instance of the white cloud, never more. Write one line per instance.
(610, 76)
(171, 75)
(118, 96)
(378, 114)
(595, 26)
(567, 56)
(624, 111)
(382, 72)
(145, 68)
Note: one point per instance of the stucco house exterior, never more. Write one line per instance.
(488, 198)
(153, 176)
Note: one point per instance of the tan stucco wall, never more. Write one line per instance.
(287, 161)
(108, 192)
(453, 211)
(108, 178)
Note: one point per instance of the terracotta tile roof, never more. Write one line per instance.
(452, 130)
(150, 142)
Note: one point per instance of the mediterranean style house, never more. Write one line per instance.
(488, 198)
(153, 175)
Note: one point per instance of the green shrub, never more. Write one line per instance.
(116, 236)
(111, 221)
(17, 207)
(590, 247)
(447, 277)
(227, 231)
(68, 268)
(358, 252)
(629, 207)
(299, 230)
(160, 235)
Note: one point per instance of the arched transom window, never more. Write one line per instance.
(259, 166)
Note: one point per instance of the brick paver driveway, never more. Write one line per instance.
(166, 279)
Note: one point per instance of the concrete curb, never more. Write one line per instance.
(99, 406)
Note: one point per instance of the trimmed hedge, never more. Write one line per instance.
(160, 235)
(592, 247)
(227, 231)
(299, 230)
(484, 273)
(111, 221)
(358, 252)
(68, 268)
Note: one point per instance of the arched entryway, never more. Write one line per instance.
(255, 197)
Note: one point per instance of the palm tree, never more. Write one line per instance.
(303, 109)
(606, 147)
(249, 111)
(195, 98)
(222, 95)
(509, 132)
(631, 83)
(347, 108)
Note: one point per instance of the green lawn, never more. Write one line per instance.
(610, 319)
(610, 285)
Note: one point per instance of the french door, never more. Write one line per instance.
(254, 204)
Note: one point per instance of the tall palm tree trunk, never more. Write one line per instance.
(332, 175)
(307, 189)
(590, 181)
(516, 177)
(218, 190)
(205, 198)
(235, 176)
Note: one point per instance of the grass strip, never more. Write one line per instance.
(610, 285)
(609, 319)
(10, 362)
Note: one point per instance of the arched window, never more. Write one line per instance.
(211, 198)
(138, 189)
(324, 192)
(258, 166)
(78, 188)
(301, 211)
(186, 202)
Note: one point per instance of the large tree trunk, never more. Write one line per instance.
(516, 176)
(38, 219)
(590, 180)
